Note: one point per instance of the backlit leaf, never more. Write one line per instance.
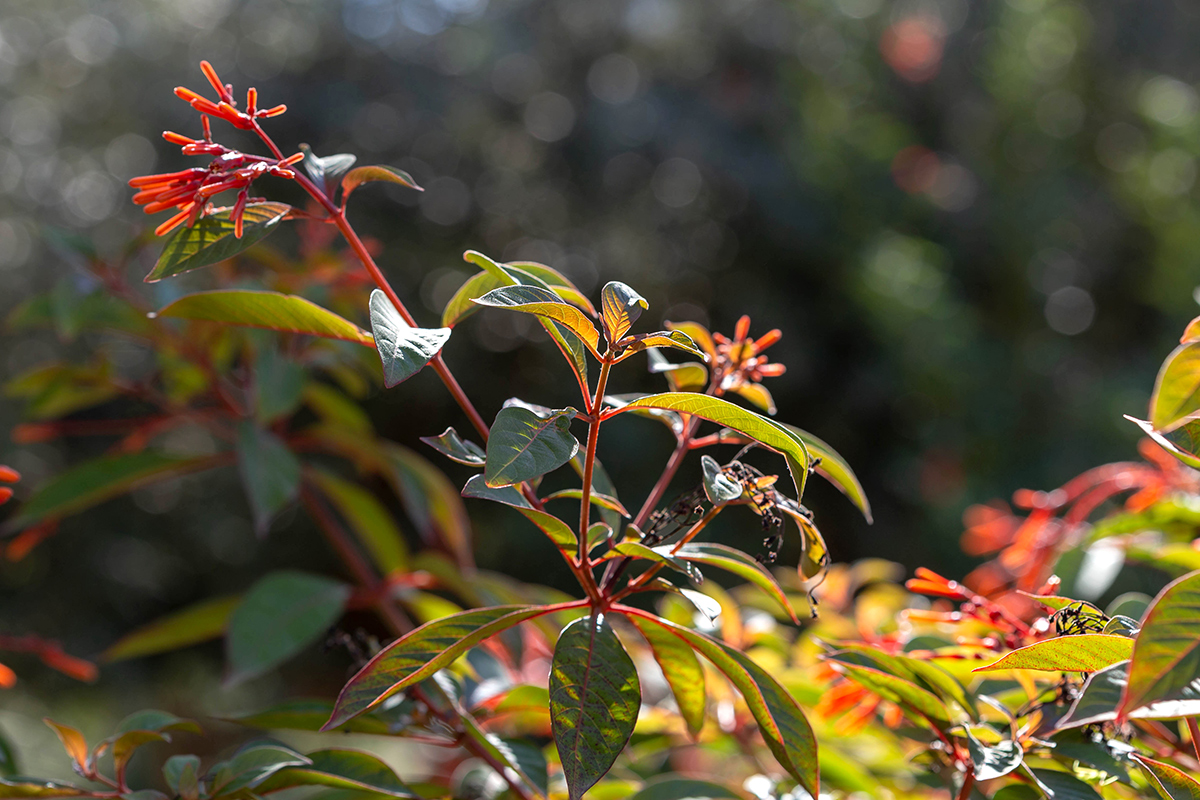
(620, 307)
(759, 395)
(559, 532)
(403, 349)
(782, 723)
(1187, 456)
(544, 303)
(923, 673)
(270, 473)
(339, 769)
(72, 741)
(282, 614)
(454, 447)
(522, 759)
(360, 175)
(368, 518)
(658, 555)
(326, 172)
(673, 339)
(834, 469)
(257, 309)
(597, 499)
(197, 623)
(740, 564)
(757, 427)
(594, 701)
(1176, 395)
(553, 280)
(698, 334)
(431, 501)
(1171, 782)
(524, 445)
(919, 702)
(417, 655)
(1165, 666)
(212, 239)
(92, 482)
(683, 672)
(1087, 652)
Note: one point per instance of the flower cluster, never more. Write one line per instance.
(189, 191)
(739, 360)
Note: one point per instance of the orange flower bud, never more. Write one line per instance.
(5, 494)
(767, 339)
(177, 138)
(9, 475)
(274, 111)
(741, 329)
(8, 678)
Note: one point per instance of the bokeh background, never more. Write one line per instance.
(976, 225)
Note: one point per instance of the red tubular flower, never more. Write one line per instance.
(740, 360)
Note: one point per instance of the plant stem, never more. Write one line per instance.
(968, 783)
(589, 461)
(1194, 731)
(641, 580)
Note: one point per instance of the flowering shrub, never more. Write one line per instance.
(651, 682)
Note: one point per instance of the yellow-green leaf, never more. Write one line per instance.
(360, 175)
(1087, 652)
(544, 303)
(257, 309)
(1176, 395)
(212, 239)
(197, 623)
(1165, 665)
(620, 307)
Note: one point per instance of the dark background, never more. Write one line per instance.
(975, 224)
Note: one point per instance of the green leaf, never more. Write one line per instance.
(403, 349)
(278, 385)
(523, 758)
(1064, 786)
(1076, 745)
(282, 614)
(674, 339)
(56, 390)
(93, 482)
(334, 407)
(1087, 652)
(455, 448)
(431, 501)
(718, 487)
(1186, 432)
(923, 673)
(559, 532)
(417, 655)
(687, 377)
(759, 395)
(256, 309)
(1165, 666)
(553, 280)
(251, 765)
(762, 430)
(360, 175)
(740, 564)
(597, 499)
(544, 303)
(918, 701)
(327, 171)
(834, 469)
(698, 334)
(683, 672)
(669, 787)
(1176, 395)
(993, 762)
(659, 555)
(1171, 782)
(594, 701)
(8, 759)
(620, 307)
(782, 723)
(211, 239)
(182, 774)
(370, 520)
(462, 304)
(1098, 700)
(572, 348)
(17, 787)
(340, 769)
(270, 473)
(525, 444)
(308, 715)
(142, 728)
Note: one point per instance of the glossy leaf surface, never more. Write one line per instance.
(544, 303)
(657, 555)
(1088, 652)
(620, 307)
(252, 764)
(594, 701)
(524, 445)
(403, 349)
(456, 448)
(1064, 786)
(212, 239)
(1165, 667)
(282, 614)
(718, 487)
(256, 309)
(197, 623)
(677, 340)
(340, 769)
(597, 499)
(782, 723)
(522, 758)
(991, 762)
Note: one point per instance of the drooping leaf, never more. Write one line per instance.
(507, 495)
(594, 701)
(683, 673)
(782, 723)
(1186, 432)
(521, 758)
(417, 655)
(1176, 395)
(368, 518)
(620, 307)
(597, 499)
(273, 310)
(252, 764)
(740, 564)
(658, 555)
(360, 175)
(270, 473)
(403, 349)
(718, 487)
(197, 623)
(339, 769)
(834, 468)
(1168, 780)
(765, 431)
(455, 448)
(282, 614)
(670, 787)
(1087, 652)
(544, 303)
(524, 445)
(93, 482)
(212, 239)
(559, 532)
(995, 761)
(1165, 666)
